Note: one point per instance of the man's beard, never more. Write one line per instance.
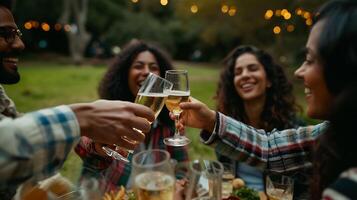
(8, 77)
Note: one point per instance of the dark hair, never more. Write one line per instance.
(337, 45)
(114, 85)
(280, 107)
(335, 150)
(6, 3)
(337, 48)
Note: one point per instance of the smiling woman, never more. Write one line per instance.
(255, 90)
(122, 82)
(330, 70)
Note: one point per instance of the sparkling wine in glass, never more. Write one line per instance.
(180, 92)
(152, 95)
(153, 175)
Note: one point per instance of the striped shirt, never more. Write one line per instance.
(345, 187)
(36, 144)
(278, 151)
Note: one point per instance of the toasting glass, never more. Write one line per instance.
(180, 92)
(152, 95)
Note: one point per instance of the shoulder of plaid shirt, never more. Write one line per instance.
(278, 151)
(119, 172)
(36, 144)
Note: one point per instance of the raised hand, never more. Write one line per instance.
(108, 121)
(197, 115)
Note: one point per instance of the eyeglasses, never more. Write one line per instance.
(9, 34)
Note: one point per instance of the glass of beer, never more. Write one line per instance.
(180, 92)
(153, 175)
(152, 95)
(279, 187)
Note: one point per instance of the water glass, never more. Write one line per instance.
(153, 175)
(205, 180)
(279, 187)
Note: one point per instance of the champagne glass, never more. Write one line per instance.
(180, 92)
(152, 95)
(153, 175)
(279, 187)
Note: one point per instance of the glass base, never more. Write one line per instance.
(178, 141)
(110, 152)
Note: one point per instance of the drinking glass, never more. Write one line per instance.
(152, 95)
(279, 187)
(227, 179)
(180, 92)
(153, 175)
(205, 180)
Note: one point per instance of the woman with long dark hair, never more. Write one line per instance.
(122, 82)
(255, 90)
(329, 70)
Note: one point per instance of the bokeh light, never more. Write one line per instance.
(268, 14)
(45, 26)
(224, 8)
(194, 8)
(276, 29)
(164, 2)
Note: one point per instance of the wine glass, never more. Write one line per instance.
(279, 187)
(180, 92)
(151, 94)
(153, 175)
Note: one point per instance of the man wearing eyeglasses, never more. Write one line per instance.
(35, 145)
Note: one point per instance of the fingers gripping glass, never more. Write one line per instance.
(151, 94)
(9, 34)
(180, 93)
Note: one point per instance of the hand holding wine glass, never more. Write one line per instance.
(180, 92)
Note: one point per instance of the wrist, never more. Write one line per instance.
(82, 112)
(211, 121)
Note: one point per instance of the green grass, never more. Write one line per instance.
(49, 84)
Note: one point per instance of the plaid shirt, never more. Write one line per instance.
(278, 151)
(36, 144)
(343, 188)
(114, 173)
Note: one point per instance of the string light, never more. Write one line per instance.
(268, 14)
(58, 27)
(308, 22)
(224, 8)
(307, 15)
(164, 2)
(278, 13)
(298, 11)
(287, 15)
(45, 26)
(194, 8)
(276, 29)
(290, 28)
(67, 27)
(35, 24)
(232, 11)
(28, 25)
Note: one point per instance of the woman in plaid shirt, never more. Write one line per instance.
(122, 82)
(329, 70)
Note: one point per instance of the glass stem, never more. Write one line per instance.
(177, 133)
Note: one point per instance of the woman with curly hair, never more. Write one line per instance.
(328, 72)
(255, 90)
(122, 82)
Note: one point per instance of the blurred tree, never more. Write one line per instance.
(75, 14)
